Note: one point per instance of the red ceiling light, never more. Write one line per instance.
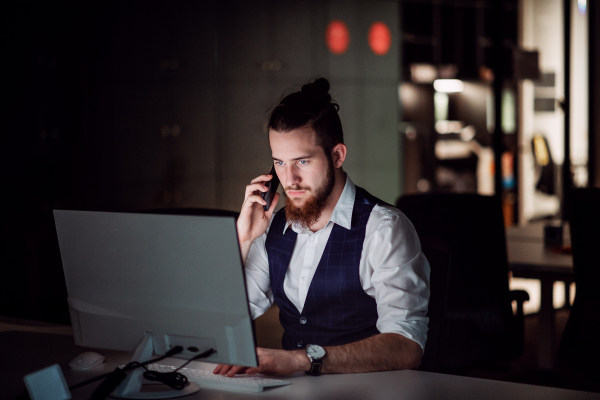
(380, 38)
(337, 37)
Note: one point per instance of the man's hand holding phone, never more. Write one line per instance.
(254, 220)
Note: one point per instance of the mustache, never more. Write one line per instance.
(297, 187)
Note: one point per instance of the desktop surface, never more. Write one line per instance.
(25, 352)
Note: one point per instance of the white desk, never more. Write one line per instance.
(25, 352)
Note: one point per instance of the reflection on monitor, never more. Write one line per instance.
(147, 283)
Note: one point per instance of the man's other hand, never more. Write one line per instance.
(270, 362)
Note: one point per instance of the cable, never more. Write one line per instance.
(174, 379)
(115, 378)
(128, 367)
(197, 357)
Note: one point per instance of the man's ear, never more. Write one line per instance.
(338, 154)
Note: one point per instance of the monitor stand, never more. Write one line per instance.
(131, 387)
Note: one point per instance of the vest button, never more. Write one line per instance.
(303, 320)
(300, 343)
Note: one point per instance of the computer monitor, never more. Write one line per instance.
(147, 283)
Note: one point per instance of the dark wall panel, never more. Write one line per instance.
(136, 105)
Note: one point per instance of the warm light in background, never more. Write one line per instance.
(380, 38)
(540, 150)
(448, 85)
(337, 37)
(423, 73)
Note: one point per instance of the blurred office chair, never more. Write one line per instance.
(479, 324)
(194, 211)
(438, 255)
(580, 344)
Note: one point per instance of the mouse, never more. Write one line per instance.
(87, 360)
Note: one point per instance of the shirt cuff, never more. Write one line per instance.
(415, 330)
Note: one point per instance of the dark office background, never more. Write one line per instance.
(139, 105)
(144, 105)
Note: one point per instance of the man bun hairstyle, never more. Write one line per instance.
(312, 106)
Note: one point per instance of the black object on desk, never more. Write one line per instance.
(553, 234)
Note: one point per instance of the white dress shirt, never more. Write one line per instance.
(392, 269)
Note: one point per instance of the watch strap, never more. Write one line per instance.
(315, 367)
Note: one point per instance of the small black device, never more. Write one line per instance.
(272, 185)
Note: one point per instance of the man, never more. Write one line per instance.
(345, 269)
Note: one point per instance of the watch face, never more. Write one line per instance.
(315, 351)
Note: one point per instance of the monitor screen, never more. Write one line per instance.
(178, 278)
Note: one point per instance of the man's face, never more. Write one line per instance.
(305, 172)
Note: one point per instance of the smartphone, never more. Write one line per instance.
(272, 185)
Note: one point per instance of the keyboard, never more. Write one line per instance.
(203, 378)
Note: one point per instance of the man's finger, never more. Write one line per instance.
(236, 370)
(273, 205)
(221, 367)
(262, 178)
(250, 189)
(250, 200)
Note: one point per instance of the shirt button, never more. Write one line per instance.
(300, 343)
(303, 320)
(312, 239)
(303, 278)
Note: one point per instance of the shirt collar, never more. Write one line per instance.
(342, 213)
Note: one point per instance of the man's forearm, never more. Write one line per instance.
(383, 352)
(245, 250)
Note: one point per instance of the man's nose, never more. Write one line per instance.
(291, 176)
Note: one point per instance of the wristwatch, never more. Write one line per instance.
(315, 354)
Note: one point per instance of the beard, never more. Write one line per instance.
(308, 213)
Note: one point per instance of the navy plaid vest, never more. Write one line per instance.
(337, 310)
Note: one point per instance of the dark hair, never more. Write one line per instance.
(313, 106)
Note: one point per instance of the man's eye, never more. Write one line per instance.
(303, 162)
(278, 163)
